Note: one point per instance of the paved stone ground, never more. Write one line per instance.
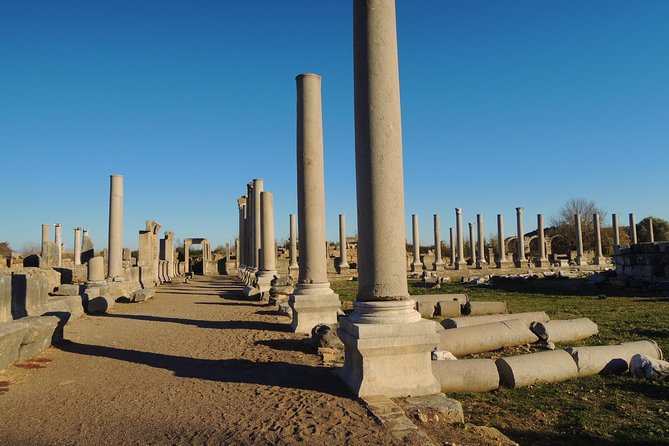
(198, 364)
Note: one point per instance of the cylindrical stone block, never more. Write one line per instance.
(484, 308)
(449, 308)
(546, 367)
(59, 242)
(564, 330)
(466, 375)
(460, 257)
(310, 181)
(467, 321)
(651, 234)
(268, 262)
(486, 337)
(115, 245)
(598, 239)
(415, 264)
(96, 269)
(611, 359)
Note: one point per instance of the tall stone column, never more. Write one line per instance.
(501, 248)
(579, 240)
(238, 252)
(651, 235)
(77, 246)
(313, 301)
(258, 187)
(521, 238)
(293, 267)
(599, 257)
(438, 262)
(241, 206)
(472, 243)
(187, 244)
(460, 261)
(616, 230)
(480, 258)
(168, 253)
(451, 235)
(45, 233)
(267, 269)
(542, 261)
(633, 239)
(416, 264)
(343, 267)
(58, 239)
(115, 242)
(387, 343)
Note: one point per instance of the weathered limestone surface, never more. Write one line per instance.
(24, 338)
(388, 344)
(313, 301)
(643, 263)
(267, 269)
(525, 370)
(115, 245)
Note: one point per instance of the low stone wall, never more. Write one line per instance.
(644, 262)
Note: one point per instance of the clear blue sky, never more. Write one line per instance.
(505, 104)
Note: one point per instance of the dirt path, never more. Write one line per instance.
(196, 365)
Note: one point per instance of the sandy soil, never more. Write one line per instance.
(195, 365)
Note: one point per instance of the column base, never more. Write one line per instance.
(542, 263)
(503, 264)
(313, 304)
(387, 350)
(481, 264)
(264, 280)
(580, 261)
(522, 263)
(460, 265)
(599, 261)
(294, 271)
(251, 291)
(438, 266)
(417, 266)
(343, 269)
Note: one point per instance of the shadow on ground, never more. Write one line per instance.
(279, 374)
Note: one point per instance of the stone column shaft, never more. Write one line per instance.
(343, 259)
(599, 257)
(258, 187)
(472, 243)
(313, 301)
(651, 235)
(115, 243)
(481, 242)
(45, 233)
(451, 235)
(438, 262)
(77, 246)
(293, 266)
(616, 230)
(579, 240)
(542, 261)
(59, 242)
(501, 249)
(387, 342)
(633, 239)
(521, 237)
(460, 261)
(416, 265)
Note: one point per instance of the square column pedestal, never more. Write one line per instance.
(313, 304)
(388, 349)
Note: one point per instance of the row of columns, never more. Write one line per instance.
(58, 242)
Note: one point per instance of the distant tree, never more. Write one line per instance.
(30, 248)
(564, 225)
(660, 229)
(220, 249)
(5, 249)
